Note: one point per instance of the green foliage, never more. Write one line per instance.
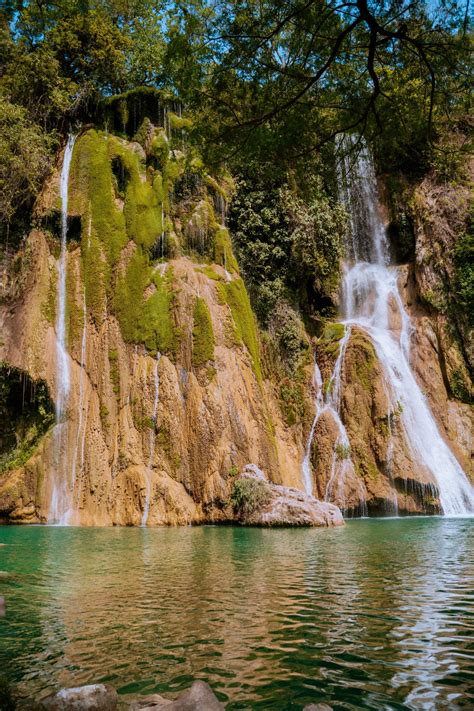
(317, 230)
(26, 414)
(262, 239)
(463, 283)
(25, 159)
(203, 335)
(248, 495)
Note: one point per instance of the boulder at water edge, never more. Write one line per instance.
(94, 697)
(286, 506)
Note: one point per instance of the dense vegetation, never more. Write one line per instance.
(265, 87)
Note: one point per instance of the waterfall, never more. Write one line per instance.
(156, 380)
(62, 363)
(59, 493)
(370, 301)
(342, 467)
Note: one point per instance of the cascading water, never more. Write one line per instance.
(370, 300)
(156, 381)
(59, 493)
(342, 467)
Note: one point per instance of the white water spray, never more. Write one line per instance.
(371, 301)
(156, 380)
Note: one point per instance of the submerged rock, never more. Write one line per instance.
(2, 606)
(199, 697)
(94, 697)
(277, 505)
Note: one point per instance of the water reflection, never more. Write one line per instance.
(376, 615)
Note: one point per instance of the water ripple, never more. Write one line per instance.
(378, 615)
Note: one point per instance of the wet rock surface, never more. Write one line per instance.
(93, 697)
(102, 697)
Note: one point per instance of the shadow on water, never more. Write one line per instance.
(376, 615)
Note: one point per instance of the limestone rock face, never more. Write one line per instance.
(169, 397)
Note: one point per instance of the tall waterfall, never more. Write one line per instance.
(156, 383)
(62, 364)
(58, 504)
(370, 297)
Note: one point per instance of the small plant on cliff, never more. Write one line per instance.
(343, 451)
(248, 495)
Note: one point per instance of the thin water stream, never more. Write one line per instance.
(59, 498)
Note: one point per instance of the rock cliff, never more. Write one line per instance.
(170, 395)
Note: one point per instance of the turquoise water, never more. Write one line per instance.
(376, 615)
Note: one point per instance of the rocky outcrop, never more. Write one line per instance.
(276, 505)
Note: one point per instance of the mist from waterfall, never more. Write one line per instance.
(370, 295)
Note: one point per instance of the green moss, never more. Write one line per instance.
(92, 189)
(160, 332)
(203, 335)
(95, 274)
(179, 122)
(74, 314)
(333, 332)
(235, 295)
(363, 361)
(343, 451)
(143, 196)
(160, 146)
(104, 416)
(223, 253)
(292, 401)
(147, 321)
(143, 133)
(209, 272)
(460, 388)
(114, 371)
(48, 307)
